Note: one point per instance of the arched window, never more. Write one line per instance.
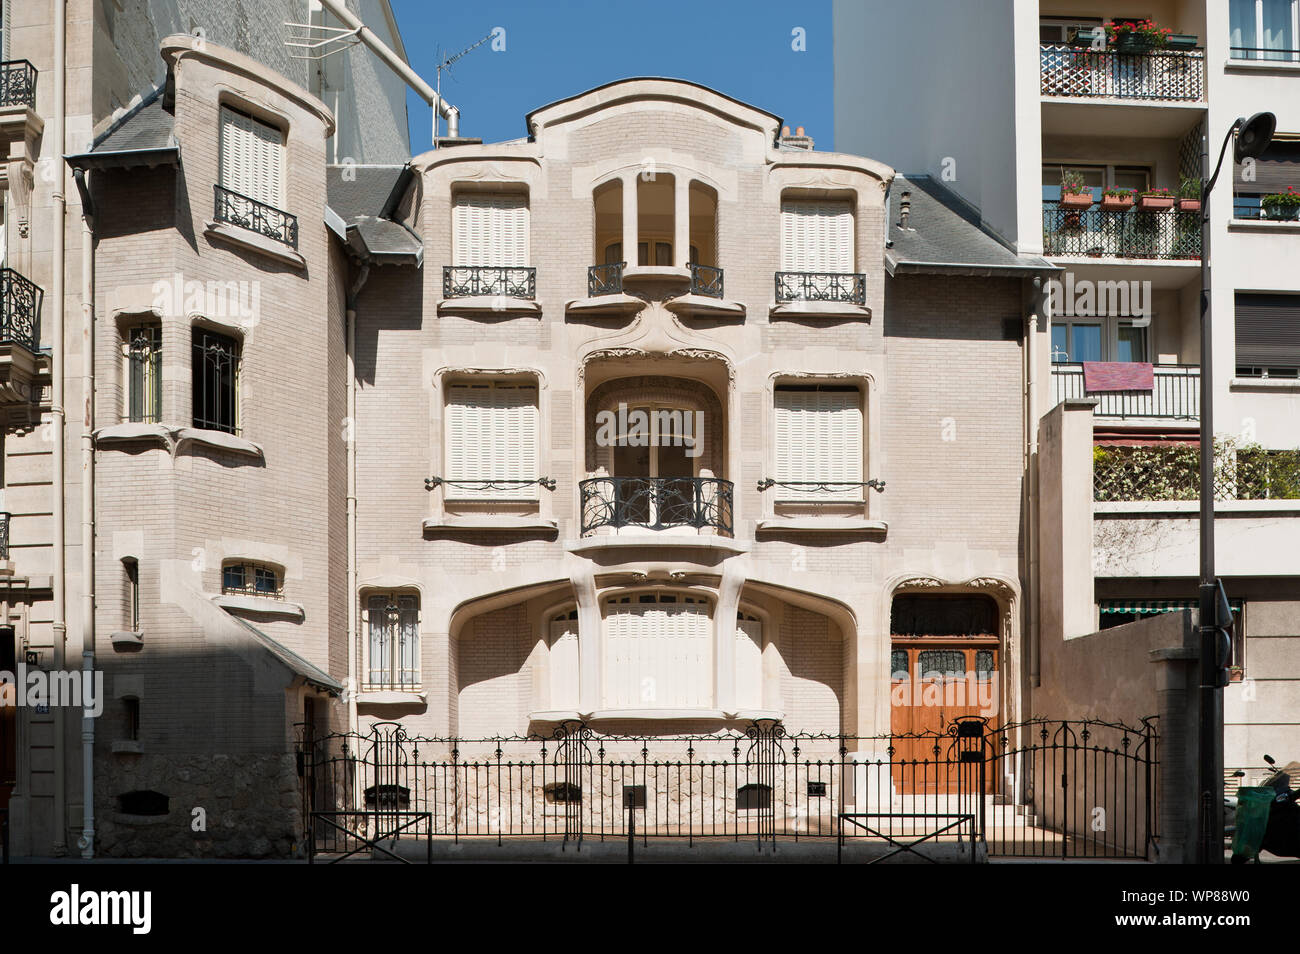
(251, 579)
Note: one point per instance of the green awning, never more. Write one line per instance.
(1148, 607)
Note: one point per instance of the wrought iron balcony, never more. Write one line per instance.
(706, 280)
(1168, 234)
(1155, 75)
(20, 310)
(1176, 394)
(240, 210)
(471, 281)
(18, 84)
(4, 535)
(605, 279)
(846, 287)
(655, 503)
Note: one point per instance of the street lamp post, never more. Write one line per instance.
(1252, 138)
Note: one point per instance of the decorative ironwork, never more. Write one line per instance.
(144, 356)
(605, 279)
(4, 535)
(431, 483)
(1131, 233)
(470, 281)
(655, 503)
(251, 579)
(820, 486)
(706, 280)
(1023, 789)
(1163, 75)
(247, 213)
(1176, 393)
(18, 84)
(215, 370)
(847, 287)
(20, 310)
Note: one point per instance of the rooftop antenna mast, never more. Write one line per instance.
(446, 65)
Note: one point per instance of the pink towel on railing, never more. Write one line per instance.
(1118, 376)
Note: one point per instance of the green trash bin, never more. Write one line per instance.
(1253, 805)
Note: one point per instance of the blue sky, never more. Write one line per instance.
(556, 48)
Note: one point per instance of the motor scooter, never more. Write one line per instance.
(1266, 816)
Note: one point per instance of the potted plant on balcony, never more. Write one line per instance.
(1117, 200)
(1075, 194)
(1155, 200)
(1189, 194)
(1136, 36)
(1181, 41)
(1281, 206)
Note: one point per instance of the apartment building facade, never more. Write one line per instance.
(1054, 100)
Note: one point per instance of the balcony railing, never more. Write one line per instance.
(18, 84)
(846, 287)
(1176, 394)
(1264, 55)
(20, 310)
(605, 279)
(1172, 472)
(236, 209)
(4, 536)
(706, 280)
(1168, 234)
(470, 281)
(655, 503)
(1156, 75)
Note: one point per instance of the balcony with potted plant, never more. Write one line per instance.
(1117, 200)
(1281, 206)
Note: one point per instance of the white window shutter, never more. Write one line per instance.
(252, 158)
(658, 655)
(564, 664)
(490, 230)
(492, 435)
(818, 438)
(749, 663)
(816, 236)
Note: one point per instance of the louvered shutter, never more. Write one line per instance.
(818, 438)
(658, 655)
(816, 236)
(490, 230)
(564, 664)
(252, 158)
(749, 663)
(1268, 330)
(492, 435)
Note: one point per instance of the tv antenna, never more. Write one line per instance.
(445, 64)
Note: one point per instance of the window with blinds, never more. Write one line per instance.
(816, 236)
(818, 439)
(490, 229)
(252, 158)
(563, 664)
(1270, 174)
(749, 661)
(1268, 335)
(492, 441)
(658, 653)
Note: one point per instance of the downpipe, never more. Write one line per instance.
(58, 416)
(353, 622)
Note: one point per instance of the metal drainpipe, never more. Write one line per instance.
(58, 207)
(1031, 411)
(87, 841)
(351, 317)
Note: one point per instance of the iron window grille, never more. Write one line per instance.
(847, 287)
(20, 310)
(251, 579)
(470, 281)
(18, 84)
(144, 358)
(605, 279)
(4, 535)
(656, 503)
(216, 360)
(706, 280)
(393, 622)
(235, 208)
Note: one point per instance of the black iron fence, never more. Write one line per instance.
(605, 279)
(18, 84)
(467, 281)
(1164, 75)
(706, 280)
(1175, 393)
(655, 503)
(248, 213)
(20, 310)
(847, 287)
(1130, 233)
(1043, 788)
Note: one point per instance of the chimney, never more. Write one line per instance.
(800, 139)
(904, 209)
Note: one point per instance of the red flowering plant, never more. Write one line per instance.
(1146, 32)
(1290, 199)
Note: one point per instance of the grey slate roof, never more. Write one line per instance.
(944, 234)
(359, 195)
(146, 133)
(310, 672)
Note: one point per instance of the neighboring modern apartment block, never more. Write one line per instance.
(1030, 104)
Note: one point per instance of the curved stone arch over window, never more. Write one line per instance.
(658, 650)
(657, 391)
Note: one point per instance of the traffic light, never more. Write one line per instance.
(1223, 626)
